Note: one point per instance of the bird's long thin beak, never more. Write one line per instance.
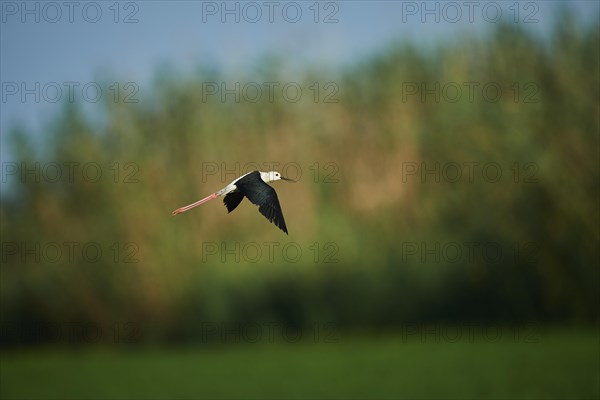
(288, 179)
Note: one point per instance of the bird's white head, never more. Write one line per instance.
(273, 176)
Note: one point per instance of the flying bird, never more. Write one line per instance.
(252, 185)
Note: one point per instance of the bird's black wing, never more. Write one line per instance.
(264, 196)
(232, 200)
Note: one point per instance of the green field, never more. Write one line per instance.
(546, 365)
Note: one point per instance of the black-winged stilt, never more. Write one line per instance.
(252, 185)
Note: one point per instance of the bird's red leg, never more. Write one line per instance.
(199, 202)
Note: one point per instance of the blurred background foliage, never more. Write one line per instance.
(369, 216)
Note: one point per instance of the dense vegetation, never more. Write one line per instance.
(382, 244)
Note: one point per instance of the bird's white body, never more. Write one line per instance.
(265, 176)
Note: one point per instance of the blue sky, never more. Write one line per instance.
(52, 44)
